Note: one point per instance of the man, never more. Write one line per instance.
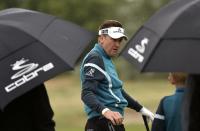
(30, 112)
(168, 115)
(102, 91)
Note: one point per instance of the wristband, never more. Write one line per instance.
(104, 110)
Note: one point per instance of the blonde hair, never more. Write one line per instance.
(179, 77)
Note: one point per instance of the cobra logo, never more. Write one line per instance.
(24, 68)
(139, 50)
(26, 73)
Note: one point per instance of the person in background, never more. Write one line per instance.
(168, 114)
(102, 90)
(191, 105)
(29, 112)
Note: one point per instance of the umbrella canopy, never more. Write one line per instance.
(169, 41)
(35, 47)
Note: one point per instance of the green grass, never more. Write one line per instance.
(64, 93)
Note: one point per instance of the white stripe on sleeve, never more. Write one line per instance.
(161, 117)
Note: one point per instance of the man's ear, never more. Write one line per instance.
(101, 39)
(174, 80)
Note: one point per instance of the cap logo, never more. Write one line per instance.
(118, 31)
(105, 31)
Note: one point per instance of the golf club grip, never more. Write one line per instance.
(145, 122)
(110, 126)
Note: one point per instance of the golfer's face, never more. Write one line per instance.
(111, 46)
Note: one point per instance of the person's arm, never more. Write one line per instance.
(159, 120)
(92, 77)
(133, 104)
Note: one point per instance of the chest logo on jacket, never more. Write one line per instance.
(26, 72)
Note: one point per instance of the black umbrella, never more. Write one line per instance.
(169, 40)
(35, 47)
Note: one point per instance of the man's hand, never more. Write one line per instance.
(115, 117)
(144, 111)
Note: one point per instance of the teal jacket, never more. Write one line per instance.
(101, 86)
(168, 114)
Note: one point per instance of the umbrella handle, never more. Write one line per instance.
(145, 122)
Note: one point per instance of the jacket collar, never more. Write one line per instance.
(180, 89)
(100, 49)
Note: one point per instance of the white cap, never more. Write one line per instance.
(113, 32)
